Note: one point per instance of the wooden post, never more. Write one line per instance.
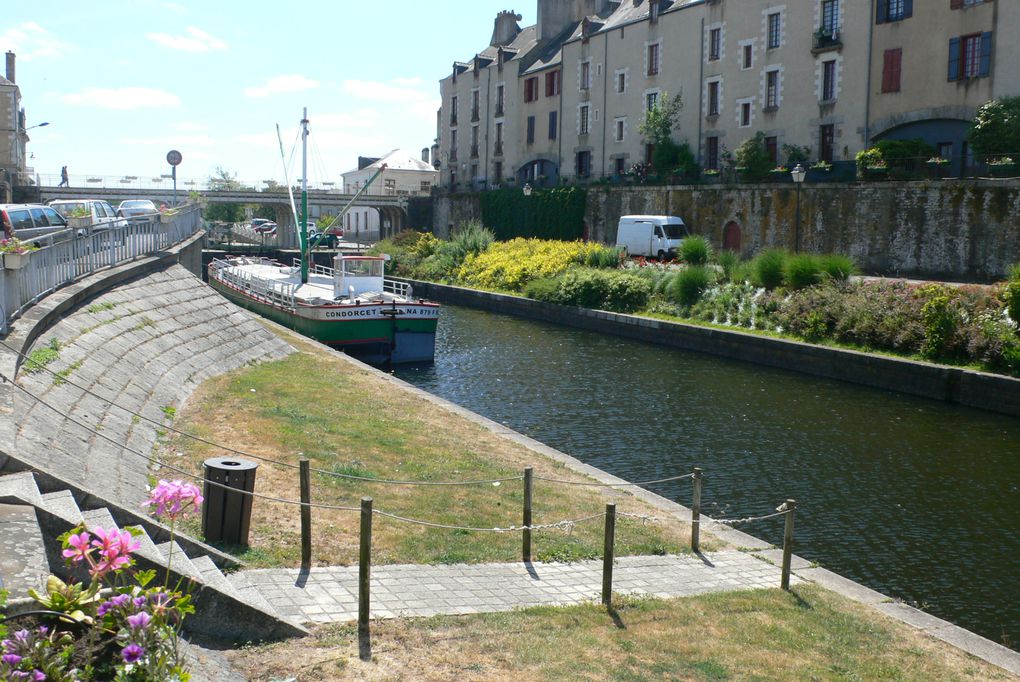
(790, 506)
(526, 535)
(364, 576)
(607, 555)
(306, 515)
(696, 512)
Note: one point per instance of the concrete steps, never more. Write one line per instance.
(30, 521)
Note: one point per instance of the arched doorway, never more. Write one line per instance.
(731, 237)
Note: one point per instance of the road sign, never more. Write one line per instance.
(173, 157)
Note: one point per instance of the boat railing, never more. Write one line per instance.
(398, 288)
(269, 290)
(315, 268)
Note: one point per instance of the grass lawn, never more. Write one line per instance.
(348, 421)
(809, 634)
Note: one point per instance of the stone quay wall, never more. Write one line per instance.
(940, 229)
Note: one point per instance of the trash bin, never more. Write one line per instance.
(226, 515)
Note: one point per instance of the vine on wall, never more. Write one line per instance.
(547, 214)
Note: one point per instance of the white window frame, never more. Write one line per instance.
(747, 102)
(706, 109)
(584, 119)
(708, 42)
(765, 14)
(740, 54)
(778, 70)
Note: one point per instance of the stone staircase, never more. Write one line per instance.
(35, 509)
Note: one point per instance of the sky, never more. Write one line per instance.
(122, 82)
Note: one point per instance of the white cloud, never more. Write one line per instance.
(123, 98)
(196, 40)
(291, 83)
(31, 41)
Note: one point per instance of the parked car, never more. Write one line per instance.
(327, 240)
(267, 227)
(30, 222)
(138, 210)
(100, 213)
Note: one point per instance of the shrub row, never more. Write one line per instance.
(590, 288)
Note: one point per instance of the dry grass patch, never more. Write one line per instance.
(811, 634)
(350, 421)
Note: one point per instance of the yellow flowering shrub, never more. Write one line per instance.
(509, 266)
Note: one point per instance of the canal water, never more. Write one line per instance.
(914, 498)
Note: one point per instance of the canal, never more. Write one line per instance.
(914, 498)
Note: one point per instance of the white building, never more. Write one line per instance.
(405, 174)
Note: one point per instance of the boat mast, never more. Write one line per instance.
(305, 254)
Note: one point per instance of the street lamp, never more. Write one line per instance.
(527, 189)
(798, 174)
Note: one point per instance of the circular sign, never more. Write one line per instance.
(173, 157)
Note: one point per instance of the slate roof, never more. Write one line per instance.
(398, 159)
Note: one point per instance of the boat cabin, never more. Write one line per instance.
(357, 275)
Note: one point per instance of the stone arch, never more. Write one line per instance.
(731, 237)
(882, 127)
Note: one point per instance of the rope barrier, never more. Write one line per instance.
(512, 529)
(612, 485)
(748, 519)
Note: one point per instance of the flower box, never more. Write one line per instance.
(79, 223)
(15, 261)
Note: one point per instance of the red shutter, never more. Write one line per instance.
(887, 71)
(897, 63)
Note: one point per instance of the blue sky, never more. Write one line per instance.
(123, 82)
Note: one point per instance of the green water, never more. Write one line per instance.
(914, 498)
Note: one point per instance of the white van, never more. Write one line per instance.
(656, 236)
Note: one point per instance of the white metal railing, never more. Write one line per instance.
(69, 255)
(269, 290)
(397, 288)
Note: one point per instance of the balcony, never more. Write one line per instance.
(826, 39)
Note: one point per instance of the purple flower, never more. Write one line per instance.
(131, 653)
(38, 676)
(11, 659)
(140, 602)
(139, 621)
(21, 636)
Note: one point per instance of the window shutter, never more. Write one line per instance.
(883, 12)
(887, 71)
(897, 58)
(954, 59)
(986, 54)
(908, 8)
(955, 4)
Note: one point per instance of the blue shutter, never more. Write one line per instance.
(908, 8)
(883, 12)
(954, 59)
(986, 54)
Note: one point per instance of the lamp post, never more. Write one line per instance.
(527, 204)
(798, 174)
(527, 189)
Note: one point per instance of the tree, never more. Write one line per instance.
(224, 180)
(752, 157)
(660, 119)
(996, 129)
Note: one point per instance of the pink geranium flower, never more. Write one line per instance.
(173, 499)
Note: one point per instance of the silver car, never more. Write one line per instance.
(138, 210)
(100, 214)
(30, 222)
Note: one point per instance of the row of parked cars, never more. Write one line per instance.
(30, 222)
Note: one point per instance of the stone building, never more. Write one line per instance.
(565, 97)
(404, 175)
(12, 133)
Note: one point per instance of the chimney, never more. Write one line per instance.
(505, 28)
(10, 67)
(556, 15)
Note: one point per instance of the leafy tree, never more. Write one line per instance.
(907, 154)
(796, 154)
(676, 159)
(753, 157)
(996, 129)
(224, 180)
(657, 127)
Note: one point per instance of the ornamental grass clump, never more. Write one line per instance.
(695, 251)
(801, 270)
(767, 268)
(117, 627)
(689, 284)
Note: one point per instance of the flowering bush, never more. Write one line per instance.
(15, 245)
(113, 628)
(509, 266)
(1001, 161)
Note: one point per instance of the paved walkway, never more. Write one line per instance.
(326, 595)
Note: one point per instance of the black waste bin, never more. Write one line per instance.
(226, 516)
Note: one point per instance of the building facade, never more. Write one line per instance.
(12, 132)
(404, 175)
(566, 98)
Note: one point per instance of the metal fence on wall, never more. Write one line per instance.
(67, 256)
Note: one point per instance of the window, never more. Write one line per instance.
(829, 80)
(714, 44)
(970, 56)
(453, 145)
(621, 82)
(712, 153)
(619, 165)
(653, 59)
(497, 172)
(499, 138)
(583, 164)
(453, 111)
(585, 75)
(426, 186)
(826, 142)
(945, 150)
(531, 89)
(583, 119)
(552, 84)
(772, 149)
(531, 130)
(713, 98)
(774, 30)
(474, 105)
(771, 89)
(500, 99)
(891, 70)
(894, 10)
(553, 125)
(651, 100)
(830, 16)
(474, 142)
(619, 129)
(747, 56)
(745, 114)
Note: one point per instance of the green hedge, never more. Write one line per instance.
(547, 214)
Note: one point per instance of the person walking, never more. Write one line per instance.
(63, 177)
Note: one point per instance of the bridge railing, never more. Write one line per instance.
(69, 255)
